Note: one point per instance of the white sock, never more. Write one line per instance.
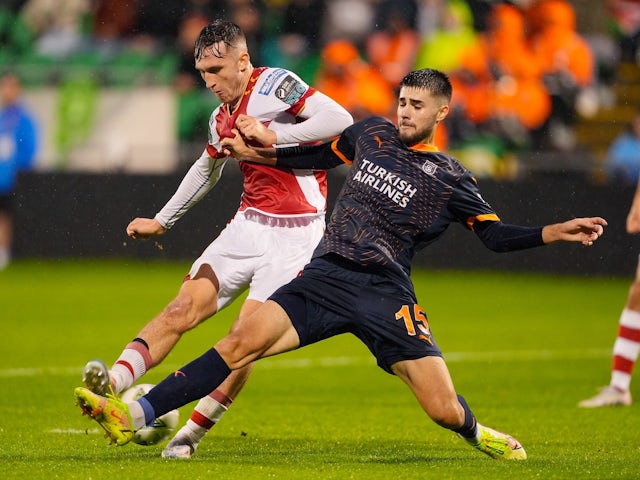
(137, 415)
(133, 363)
(207, 413)
(626, 349)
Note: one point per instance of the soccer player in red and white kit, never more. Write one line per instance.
(626, 347)
(272, 236)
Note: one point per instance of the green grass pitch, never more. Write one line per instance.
(522, 348)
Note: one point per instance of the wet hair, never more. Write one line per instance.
(430, 79)
(218, 31)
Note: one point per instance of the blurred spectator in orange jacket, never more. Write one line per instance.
(499, 84)
(344, 76)
(392, 49)
(559, 48)
(565, 56)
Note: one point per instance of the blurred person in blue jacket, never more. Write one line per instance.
(623, 156)
(18, 145)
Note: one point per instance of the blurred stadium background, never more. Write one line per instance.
(122, 113)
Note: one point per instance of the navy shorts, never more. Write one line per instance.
(331, 298)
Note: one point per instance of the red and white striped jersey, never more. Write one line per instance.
(280, 100)
(298, 114)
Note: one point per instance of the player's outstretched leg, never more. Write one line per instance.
(429, 379)
(110, 413)
(496, 444)
(95, 377)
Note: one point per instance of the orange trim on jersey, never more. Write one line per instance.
(339, 154)
(424, 147)
(251, 84)
(487, 217)
(255, 74)
(225, 125)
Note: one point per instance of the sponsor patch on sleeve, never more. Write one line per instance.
(272, 78)
(290, 90)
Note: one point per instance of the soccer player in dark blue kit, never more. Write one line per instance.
(400, 195)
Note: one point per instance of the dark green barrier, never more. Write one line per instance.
(70, 215)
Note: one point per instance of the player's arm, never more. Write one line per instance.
(467, 204)
(317, 157)
(502, 237)
(197, 182)
(324, 119)
(318, 117)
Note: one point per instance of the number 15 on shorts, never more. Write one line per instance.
(415, 321)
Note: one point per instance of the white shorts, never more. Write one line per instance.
(259, 252)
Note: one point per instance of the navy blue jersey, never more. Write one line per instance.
(396, 199)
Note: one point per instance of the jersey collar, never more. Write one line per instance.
(424, 147)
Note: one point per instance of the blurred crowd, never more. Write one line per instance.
(521, 70)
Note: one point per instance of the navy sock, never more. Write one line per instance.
(469, 428)
(192, 382)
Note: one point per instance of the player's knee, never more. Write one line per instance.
(235, 351)
(180, 314)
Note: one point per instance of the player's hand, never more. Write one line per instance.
(254, 130)
(143, 228)
(583, 230)
(236, 146)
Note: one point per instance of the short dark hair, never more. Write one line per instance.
(435, 81)
(219, 30)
